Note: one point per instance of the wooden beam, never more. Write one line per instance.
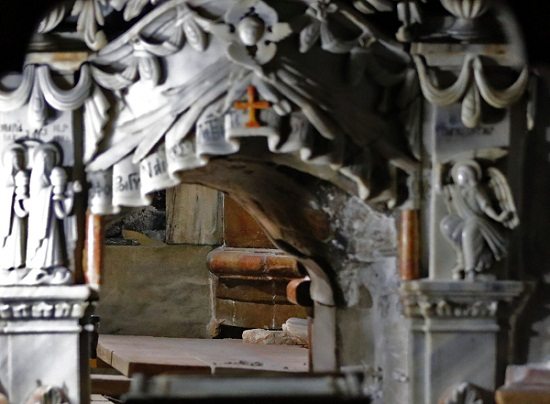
(194, 215)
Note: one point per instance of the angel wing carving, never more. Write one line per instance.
(499, 185)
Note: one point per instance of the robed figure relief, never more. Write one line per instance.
(479, 216)
(51, 220)
(13, 213)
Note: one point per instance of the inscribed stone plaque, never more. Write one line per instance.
(59, 129)
(452, 137)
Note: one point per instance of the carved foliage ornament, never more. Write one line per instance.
(90, 16)
(470, 87)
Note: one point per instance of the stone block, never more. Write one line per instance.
(157, 290)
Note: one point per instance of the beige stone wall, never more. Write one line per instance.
(162, 289)
(158, 290)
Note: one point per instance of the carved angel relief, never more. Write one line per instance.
(474, 227)
(37, 224)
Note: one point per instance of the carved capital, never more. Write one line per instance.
(460, 300)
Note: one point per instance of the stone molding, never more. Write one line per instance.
(44, 303)
(42, 310)
(455, 299)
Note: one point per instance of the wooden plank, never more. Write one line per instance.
(110, 385)
(154, 355)
(241, 229)
(194, 215)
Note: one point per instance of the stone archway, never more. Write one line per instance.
(312, 116)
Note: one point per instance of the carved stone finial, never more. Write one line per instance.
(466, 12)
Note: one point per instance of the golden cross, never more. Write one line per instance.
(252, 106)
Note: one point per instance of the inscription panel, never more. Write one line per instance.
(59, 129)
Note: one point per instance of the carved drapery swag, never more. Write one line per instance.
(470, 88)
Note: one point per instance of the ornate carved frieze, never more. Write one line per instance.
(459, 300)
(42, 310)
(448, 309)
(20, 303)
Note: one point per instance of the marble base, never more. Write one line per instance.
(458, 334)
(43, 344)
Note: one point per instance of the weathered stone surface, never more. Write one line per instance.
(155, 290)
(270, 337)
